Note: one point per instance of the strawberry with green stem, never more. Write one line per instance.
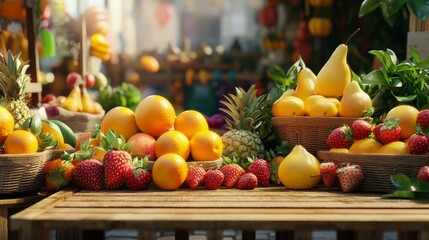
(231, 171)
(350, 177)
(213, 179)
(247, 181)
(418, 143)
(137, 177)
(328, 171)
(88, 174)
(195, 176)
(390, 131)
(340, 137)
(58, 172)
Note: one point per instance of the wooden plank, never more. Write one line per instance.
(4, 232)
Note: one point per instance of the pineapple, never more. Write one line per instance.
(13, 81)
(249, 124)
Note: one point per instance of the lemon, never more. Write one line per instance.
(397, 147)
(407, 116)
(288, 106)
(323, 108)
(367, 145)
(309, 101)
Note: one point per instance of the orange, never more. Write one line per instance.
(7, 123)
(52, 128)
(407, 116)
(149, 64)
(339, 150)
(20, 141)
(367, 145)
(120, 119)
(396, 147)
(172, 142)
(169, 171)
(144, 144)
(155, 115)
(206, 146)
(190, 122)
(65, 146)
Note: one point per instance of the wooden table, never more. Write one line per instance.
(290, 213)
(13, 204)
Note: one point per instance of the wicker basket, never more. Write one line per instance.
(21, 172)
(310, 132)
(207, 165)
(377, 168)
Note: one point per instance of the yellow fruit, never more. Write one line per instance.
(323, 108)
(304, 88)
(52, 128)
(407, 116)
(355, 102)
(120, 119)
(397, 147)
(288, 106)
(155, 115)
(190, 122)
(20, 141)
(65, 146)
(7, 123)
(339, 150)
(173, 142)
(299, 169)
(335, 101)
(309, 101)
(149, 63)
(169, 171)
(206, 146)
(367, 145)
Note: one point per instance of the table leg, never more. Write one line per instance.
(358, 235)
(181, 234)
(146, 235)
(409, 235)
(214, 234)
(249, 234)
(302, 235)
(285, 235)
(3, 223)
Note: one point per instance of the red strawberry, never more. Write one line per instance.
(423, 173)
(261, 169)
(137, 177)
(195, 177)
(213, 179)
(247, 181)
(361, 129)
(116, 163)
(328, 171)
(350, 177)
(376, 131)
(418, 143)
(88, 174)
(340, 137)
(423, 119)
(390, 131)
(232, 172)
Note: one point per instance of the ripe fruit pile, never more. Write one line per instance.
(350, 176)
(403, 131)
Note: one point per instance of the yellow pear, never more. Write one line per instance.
(299, 169)
(355, 102)
(304, 88)
(288, 106)
(334, 75)
(309, 101)
(323, 108)
(306, 73)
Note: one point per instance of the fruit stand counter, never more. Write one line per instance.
(290, 213)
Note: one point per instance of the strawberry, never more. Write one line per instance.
(350, 177)
(390, 131)
(423, 173)
(340, 137)
(213, 179)
(88, 174)
(423, 119)
(261, 169)
(58, 173)
(274, 168)
(137, 177)
(376, 131)
(247, 181)
(232, 172)
(418, 143)
(361, 129)
(195, 177)
(116, 163)
(328, 171)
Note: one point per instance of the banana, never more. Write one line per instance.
(68, 134)
(33, 124)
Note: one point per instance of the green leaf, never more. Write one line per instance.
(375, 77)
(408, 98)
(401, 181)
(368, 6)
(420, 8)
(418, 185)
(401, 194)
(390, 19)
(385, 58)
(392, 6)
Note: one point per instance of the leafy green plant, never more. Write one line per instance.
(408, 188)
(125, 95)
(392, 8)
(395, 83)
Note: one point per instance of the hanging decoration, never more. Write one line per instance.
(268, 16)
(163, 14)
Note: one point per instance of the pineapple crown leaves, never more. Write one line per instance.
(13, 77)
(248, 112)
(46, 141)
(283, 149)
(111, 141)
